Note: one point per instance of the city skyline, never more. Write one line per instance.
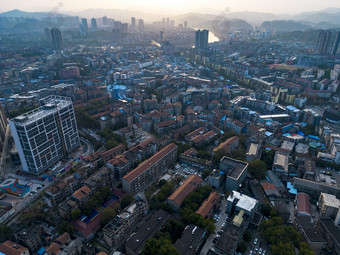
(176, 6)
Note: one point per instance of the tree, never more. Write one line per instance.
(268, 158)
(257, 169)
(65, 226)
(265, 210)
(205, 174)
(108, 215)
(242, 246)
(126, 200)
(161, 246)
(247, 236)
(75, 214)
(5, 233)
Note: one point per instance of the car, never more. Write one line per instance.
(220, 232)
(264, 252)
(260, 251)
(255, 241)
(256, 249)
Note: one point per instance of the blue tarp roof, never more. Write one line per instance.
(291, 189)
(313, 137)
(41, 251)
(300, 133)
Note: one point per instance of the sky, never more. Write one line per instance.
(175, 6)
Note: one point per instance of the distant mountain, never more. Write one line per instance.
(118, 14)
(255, 18)
(284, 26)
(38, 15)
(194, 19)
(318, 17)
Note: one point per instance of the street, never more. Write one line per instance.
(218, 224)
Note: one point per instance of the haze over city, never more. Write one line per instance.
(176, 6)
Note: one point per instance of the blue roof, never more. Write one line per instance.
(41, 251)
(300, 133)
(291, 189)
(313, 137)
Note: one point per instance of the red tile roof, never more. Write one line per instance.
(303, 203)
(208, 204)
(183, 191)
(151, 161)
(82, 192)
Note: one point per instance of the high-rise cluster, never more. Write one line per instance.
(328, 42)
(201, 39)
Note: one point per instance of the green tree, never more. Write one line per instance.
(257, 169)
(247, 236)
(6, 233)
(206, 173)
(108, 215)
(126, 200)
(65, 226)
(242, 246)
(75, 214)
(161, 246)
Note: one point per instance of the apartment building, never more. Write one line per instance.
(45, 135)
(150, 169)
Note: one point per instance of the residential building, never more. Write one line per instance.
(303, 206)
(175, 200)
(45, 135)
(191, 240)
(253, 152)
(11, 248)
(118, 229)
(150, 169)
(152, 225)
(209, 206)
(228, 145)
(235, 170)
(280, 163)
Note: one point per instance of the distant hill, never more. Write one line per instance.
(194, 19)
(318, 17)
(118, 14)
(284, 26)
(38, 15)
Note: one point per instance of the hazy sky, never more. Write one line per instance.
(175, 6)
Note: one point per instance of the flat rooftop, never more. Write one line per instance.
(244, 202)
(235, 167)
(48, 106)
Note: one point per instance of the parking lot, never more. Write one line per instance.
(185, 170)
(257, 246)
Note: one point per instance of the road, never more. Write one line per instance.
(209, 243)
(89, 146)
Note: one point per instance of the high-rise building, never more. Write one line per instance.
(168, 21)
(93, 24)
(45, 135)
(47, 33)
(105, 21)
(57, 40)
(163, 21)
(133, 22)
(83, 26)
(201, 39)
(328, 42)
(172, 23)
(336, 43)
(141, 24)
(185, 24)
(161, 36)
